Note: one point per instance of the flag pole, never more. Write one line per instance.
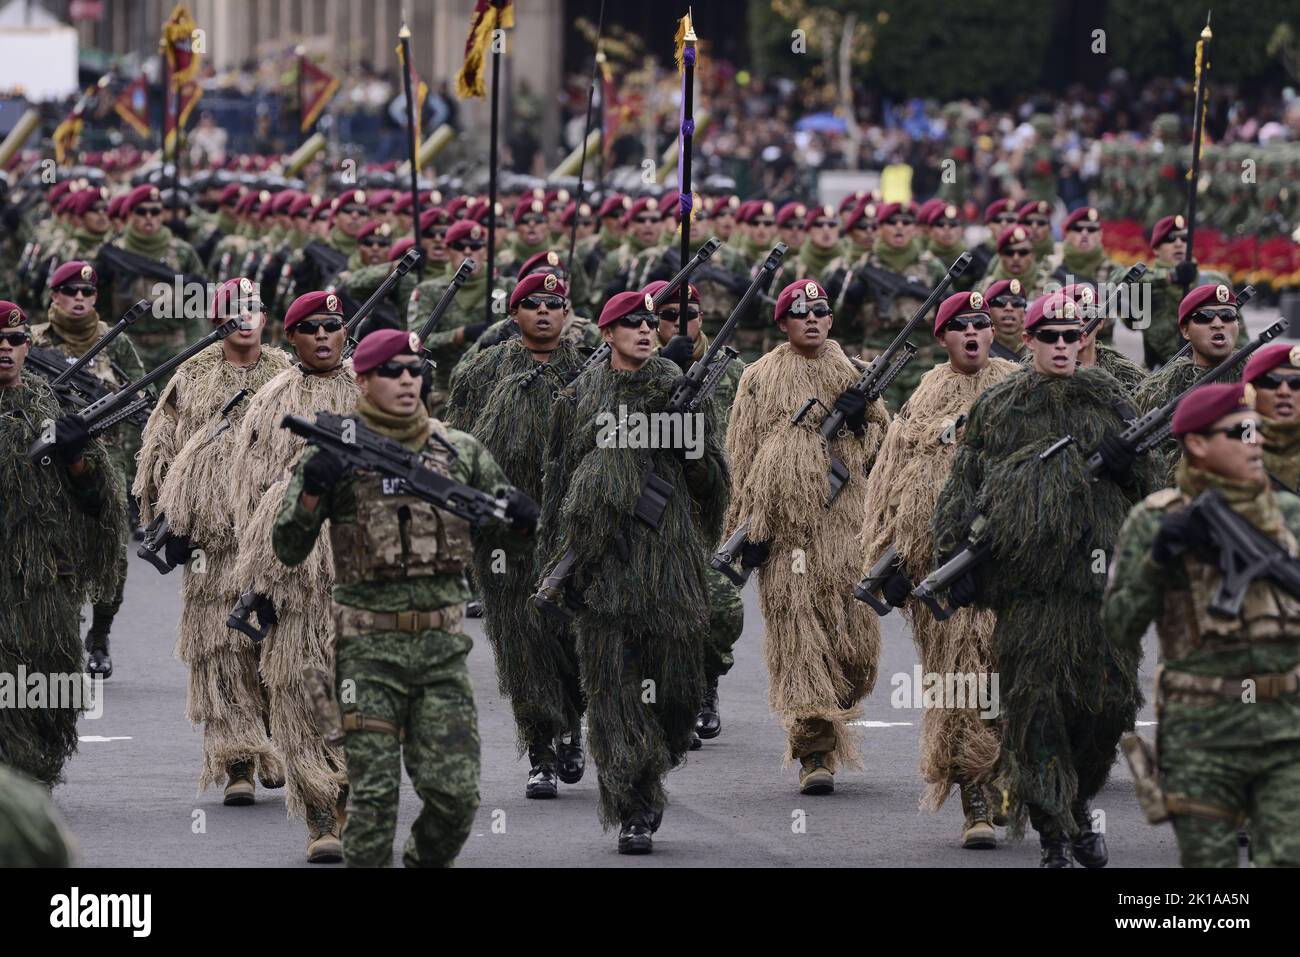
(404, 37)
(686, 200)
(1198, 130)
(586, 132)
(492, 181)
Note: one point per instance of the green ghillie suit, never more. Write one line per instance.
(62, 535)
(1170, 380)
(822, 646)
(957, 746)
(1233, 747)
(1281, 441)
(304, 633)
(1065, 695)
(185, 472)
(1129, 374)
(641, 636)
(537, 666)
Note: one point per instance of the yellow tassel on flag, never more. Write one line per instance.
(489, 16)
(685, 34)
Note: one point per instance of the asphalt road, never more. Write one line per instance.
(130, 792)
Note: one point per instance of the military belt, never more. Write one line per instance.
(356, 721)
(355, 621)
(1203, 689)
(1180, 804)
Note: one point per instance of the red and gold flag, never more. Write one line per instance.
(178, 46)
(190, 94)
(132, 105)
(315, 89)
(489, 16)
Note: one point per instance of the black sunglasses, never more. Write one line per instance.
(536, 302)
(1008, 302)
(536, 220)
(466, 247)
(1019, 253)
(1077, 228)
(646, 219)
(148, 210)
(762, 222)
(900, 221)
(1173, 237)
(311, 326)
(392, 369)
(1005, 219)
(823, 223)
(864, 224)
(1271, 381)
(819, 309)
(353, 210)
(673, 313)
(634, 320)
(15, 338)
(1239, 431)
(962, 323)
(303, 214)
(72, 289)
(1051, 336)
(372, 242)
(1205, 317)
(1037, 221)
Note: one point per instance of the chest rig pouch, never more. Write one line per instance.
(397, 535)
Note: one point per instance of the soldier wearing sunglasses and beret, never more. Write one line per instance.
(822, 647)
(1093, 353)
(1274, 373)
(399, 589)
(503, 396)
(1065, 695)
(64, 524)
(1209, 319)
(73, 327)
(1006, 304)
(1016, 260)
(1082, 259)
(958, 748)
(1228, 686)
(639, 572)
(303, 634)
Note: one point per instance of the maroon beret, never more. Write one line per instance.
(791, 210)
(283, 201)
(941, 211)
(399, 248)
(929, 206)
(379, 197)
(804, 290)
(816, 212)
(456, 205)
(864, 208)
(375, 227)
(300, 202)
(547, 283)
(229, 294)
(1040, 207)
(853, 199)
(1053, 308)
(548, 260)
(996, 208)
(243, 207)
(436, 216)
(1084, 214)
(1207, 404)
(1012, 234)
(574, 209)
(525, 206)
(58, 189)
(670, 203)
(761, 207)
(1207, 295)
(357, 196)
(745, 210)
(138, 196)
(1081, 293)
(959, 304)
(11, 315)
(1004, 287)
(466, 229)
(656, 287)
(560, 196)
(1269, 358)
(1164, 226)
(115, 206)
(313, 304)
(82, 200)
(382, 345)
(230, 194)
(620, 305)
(76, 269)
(885, 210)
(639, 206)
(724, 206)
(614, 205)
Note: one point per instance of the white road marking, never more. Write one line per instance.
(99, 739)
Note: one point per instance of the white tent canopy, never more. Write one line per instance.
(38, 53)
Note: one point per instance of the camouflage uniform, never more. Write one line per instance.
(1234, 753)
(157, 338)
(32, 833)
(410, 675)
(879, 330)
(466, 309)
(1281, 441)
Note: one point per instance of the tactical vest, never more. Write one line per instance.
(1185, 625)
(397, 535)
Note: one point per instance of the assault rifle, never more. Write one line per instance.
(868, 589)
(404, 265)
(104, 413)
(115, 261)
(1245, 555)
(458, 279)
(884, 285)
(362, 448)
(557, 592)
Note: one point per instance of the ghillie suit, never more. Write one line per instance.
(304, 633)
(1170, 380)
(1065, 695)
(537, 666)
(641, 636)
(1129, 374)
(822, 646)
(957, 746)
(184, 472)
(60, 546)
(1281, 441)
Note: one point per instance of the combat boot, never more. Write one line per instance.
(977, 830)
(1089, 846)
(239, 784)
(1055, 851)
(541, 779)
(814, 776)
(324, 845)
(98, 661)
(570, 761)
(634, 837)
(708, 723)
(271, 773)
(696, 743)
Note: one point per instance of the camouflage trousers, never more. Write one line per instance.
(726, 621)
(104, 611)
(1262, 782)
(420, 683)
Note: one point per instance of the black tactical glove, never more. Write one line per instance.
(1185, 272)
(896, 589)
(178, 550)
(322, 472)
(1180, 532)
(679, 349)
(963, 591)
(70, 439)
(521, 511)
(754, 554)
(1117, 456)
(854, 407)
(474, 330)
